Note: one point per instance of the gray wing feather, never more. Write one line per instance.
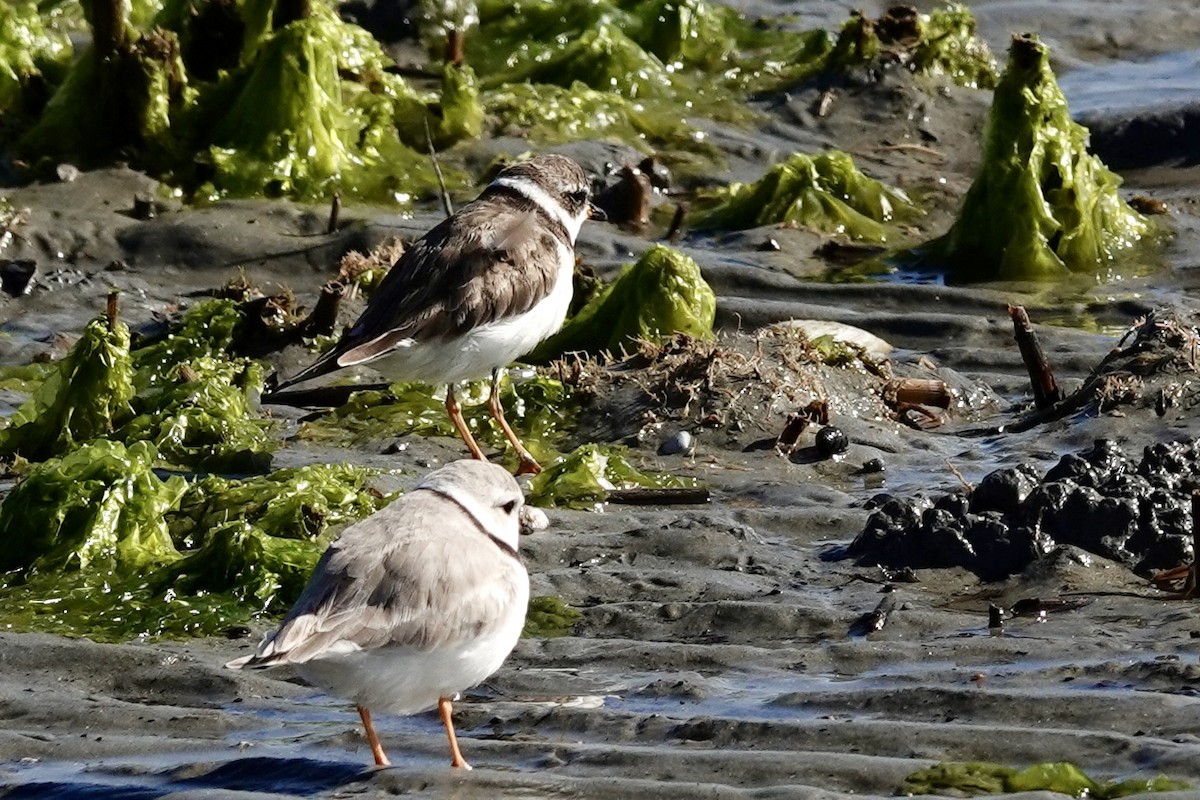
(417, 574)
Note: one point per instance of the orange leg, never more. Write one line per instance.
(529, 464)
(381, 759)
(456, 756)
(452, 408)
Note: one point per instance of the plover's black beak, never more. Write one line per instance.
(596, 212)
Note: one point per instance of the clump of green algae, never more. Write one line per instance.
(1041, 207)
(663, 293)
(300, 109)
(84, 397)
(548, 617)
(942, 43)
(824, 192)
(584, 477)
(976, 778)
(95, 540)
(31, 54)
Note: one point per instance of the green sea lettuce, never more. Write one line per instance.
(100, 507)
(824, 192)
(976, 778)
(547, 113)
(288, 125)
(107, 102)
(585, 476)
(86, 395)
(662, 294)
(292, 503)
(97, 544)
(210, 328)
(942, 43)
(29, 51)
(206, 417)
(1041, 207)
(603, 57)
(549, 617)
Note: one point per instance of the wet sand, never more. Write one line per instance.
(718, 655)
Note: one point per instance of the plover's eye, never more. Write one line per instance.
(509, 506)
(578, 197)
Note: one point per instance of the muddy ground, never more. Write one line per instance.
(718, 655)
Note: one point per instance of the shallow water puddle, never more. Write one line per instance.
(1123, 86)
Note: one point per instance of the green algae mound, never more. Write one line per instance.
(976, 778)
(124, 91)
(1041, 207)
(548, 617)
(95, 543)
(584, 477)
(289, 124)
(824, 192)
(99, 506)
(33, 56)
(228, 99)
(184, 394)
(205, 417)
(662, 294)
(942, 43)
(639, 72)
(85, 396)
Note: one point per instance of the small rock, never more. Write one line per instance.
(681, 442)
(16, 275)
(832, 441)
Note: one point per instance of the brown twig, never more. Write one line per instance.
(453, 53)
(676, 222)
(1045, 389)
(110, 310)
(335, 211)
(970, 487)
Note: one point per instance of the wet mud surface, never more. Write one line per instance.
(719, 654)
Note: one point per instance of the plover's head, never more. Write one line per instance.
(486, 492)
(557, 184)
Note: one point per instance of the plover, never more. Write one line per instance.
(478, 291)
(419, 601)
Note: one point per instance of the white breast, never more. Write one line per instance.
(482, 349)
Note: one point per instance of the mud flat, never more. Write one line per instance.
(718, 655)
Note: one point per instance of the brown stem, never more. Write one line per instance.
(108, 26)
(322, 321)
(335, 211)
(1045, 389)
(454, 48)
(110, 310)
(676, 222)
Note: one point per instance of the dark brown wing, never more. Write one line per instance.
(488, 261)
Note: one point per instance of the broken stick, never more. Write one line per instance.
(1045, 390)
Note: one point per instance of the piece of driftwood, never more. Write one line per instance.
(676, 496)
(918, 391)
